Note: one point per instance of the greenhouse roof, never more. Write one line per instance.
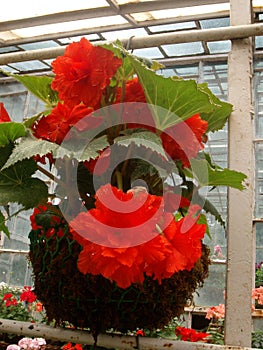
(49, 25)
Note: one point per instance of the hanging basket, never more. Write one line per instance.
(96, 303)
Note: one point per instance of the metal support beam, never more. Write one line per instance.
(240, 240)
(214, 34)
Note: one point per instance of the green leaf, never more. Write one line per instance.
(93, 149)
(17, 184)
(30, 121)
(3, 226)
(203, 220)
(208, 176)
(179, 98)
(11, 131)
(40, 86)
(126, 70)
(143, 138)
(221, 110)
(29, 147)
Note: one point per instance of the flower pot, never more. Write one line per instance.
(95, 302)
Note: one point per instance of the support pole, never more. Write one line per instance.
(240, 268)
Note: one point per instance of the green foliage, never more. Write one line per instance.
(17, 184)
(167, 332)
(93, 149)
(222, 110)
(11, 131)
(29, 147)
(3, 226)
(216, 176)
(146, 139)
(40, 86)
(179, 98)
(259, 276)
(257, 339)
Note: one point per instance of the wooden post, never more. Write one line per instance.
(240, 267)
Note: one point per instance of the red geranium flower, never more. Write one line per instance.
(10, 302)
(57, 124)
(4, 116)
(189, 334)
(184, 140)
(83, 72)
(28, 295)
(70, 346)
(7, 296)
(39, 307)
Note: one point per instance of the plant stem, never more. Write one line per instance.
(119, 180)
(48, 174)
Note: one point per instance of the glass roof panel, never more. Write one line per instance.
(215, 23)
(91, 37)
(123, 34)
(68, 26)
(172, 27)
(122, 2)
(180, 12)
(29, 65)
(8, 49)
(112, 19)
(183, 49)
(152, 52)
(15, 9)
(259, 42)
(6, 68)
(219, 46)
(39, 45)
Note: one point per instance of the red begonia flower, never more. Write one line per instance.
(99, 165)
(4, 116)
(135, 112)
(109, 250)
(83, 72)
(131, 92)
(184, 140)
(174, 201)
(54, 223)
(57, 124)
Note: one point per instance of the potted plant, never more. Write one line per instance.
(117, 240)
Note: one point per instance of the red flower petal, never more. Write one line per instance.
(184, 140)
(57, 124)
(4, 116)
(83, 72)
